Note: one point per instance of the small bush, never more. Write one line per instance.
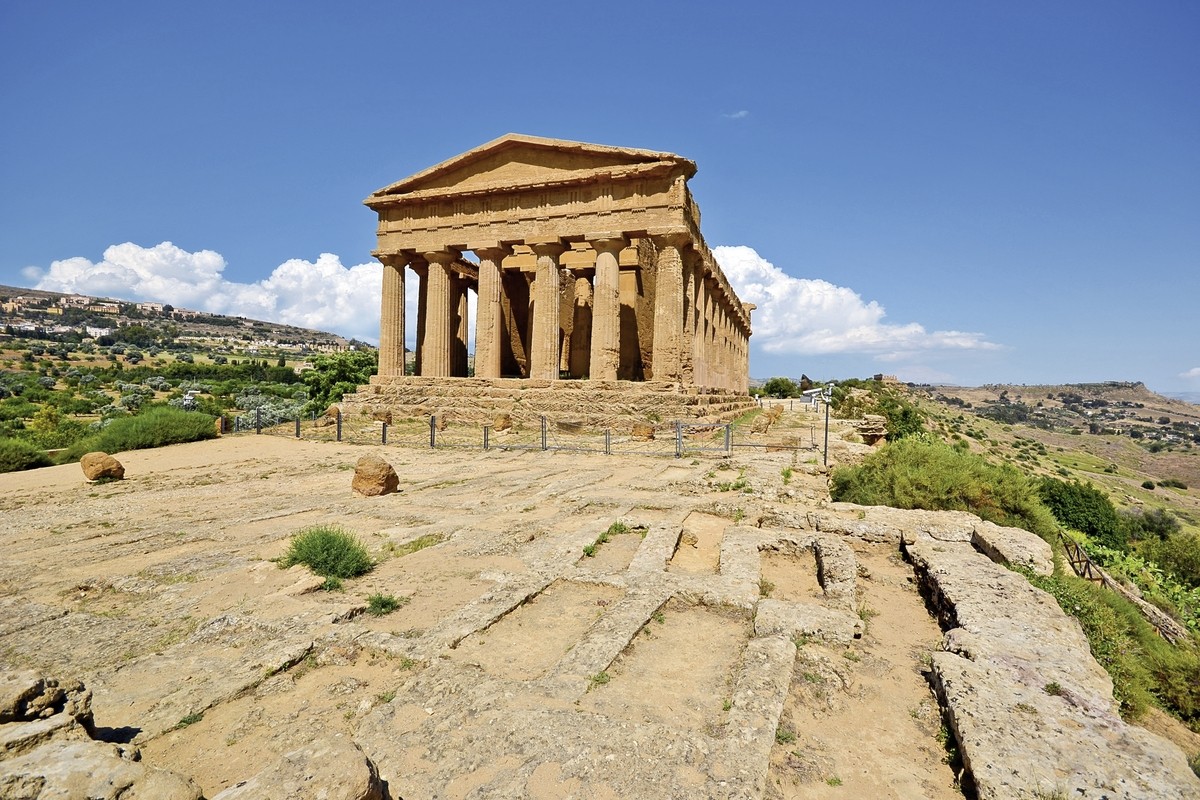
(329, 552)
(380, 604)
(16, 455)
(1148, 485)
(1085, 508)
(155, 427)
(920, 472)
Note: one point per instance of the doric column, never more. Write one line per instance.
(668, 307)
(391, 315)
(692, 266)
(459, 360)
(606, 307)
(700, 366)
(579, 353)
(488, 315)
(437, 358)
(420, 268)
(543, 349)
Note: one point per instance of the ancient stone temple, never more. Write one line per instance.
(597, 295)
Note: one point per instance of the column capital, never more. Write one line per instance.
(399, 260)
(491, 251)
(607, 242)
(670, 238)
(546, 247)
(443, 257)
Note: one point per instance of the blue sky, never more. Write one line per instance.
(958, 192)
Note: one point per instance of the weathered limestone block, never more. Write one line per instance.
(1006, 644)
(95, 770)
(1014, 546)
(333, 768)
(101, 465)
(643, 432)
(373, 477)
(502, 422)
(46, 748)
(382, 415)
(761, 423)
(779, 618)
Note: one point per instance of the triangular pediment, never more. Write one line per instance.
(516, 159)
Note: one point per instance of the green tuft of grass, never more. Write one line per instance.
(332, 584)
(600, 678)
(380, 604)
(329, 551)
(190, 719)
(784, 736)
(420, 543)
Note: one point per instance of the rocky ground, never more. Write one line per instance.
(741, 637)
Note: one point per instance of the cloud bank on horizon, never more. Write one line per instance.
(800, 316)
(807, 316)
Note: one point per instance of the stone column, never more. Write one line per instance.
(459, 311)
(391, 316)
(606, 307)
(692, 270)
(543, 349)
(668, 307)
(700, 366)
(579, 353)
(420, 268)
(437, 358)
(488, 315)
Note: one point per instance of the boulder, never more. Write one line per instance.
(761, 423)
(373, 476)
(642, 431)
(502, 422)
(97, 466)
(47, 750)
(333, 768)
(382, 416)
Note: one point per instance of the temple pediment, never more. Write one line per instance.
(515, 160)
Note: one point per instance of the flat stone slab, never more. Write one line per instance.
(1031, 709)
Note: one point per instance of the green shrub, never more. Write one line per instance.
(1178, 554)
(17, 455)
(329, 551)
(1148, 485)
(1084, 508)
(155, 427)
(1144, 667)
(920, 472)
(380, 604)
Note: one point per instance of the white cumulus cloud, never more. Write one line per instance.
(1191, 374)
(324, 294)
(808, 316)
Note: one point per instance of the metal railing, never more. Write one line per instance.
(673, 439)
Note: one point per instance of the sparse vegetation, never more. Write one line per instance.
(328, 551)
(381, 604)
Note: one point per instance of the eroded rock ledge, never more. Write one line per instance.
(1031, 709)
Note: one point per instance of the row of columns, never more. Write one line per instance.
(697, 340)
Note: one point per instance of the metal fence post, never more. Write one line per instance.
(339, 424)
(486, 443)
(297, 426)
(432, 431)
(544, 445)
(728, 436)
(258, 419)
(383, 435)
(608, 441)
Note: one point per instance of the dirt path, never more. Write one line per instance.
(861, 721)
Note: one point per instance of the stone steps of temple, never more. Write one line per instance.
(602, 403)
